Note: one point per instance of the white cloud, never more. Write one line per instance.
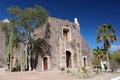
(6, 20)
(115, 47)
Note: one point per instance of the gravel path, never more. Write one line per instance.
(50, 75)
(105, 76)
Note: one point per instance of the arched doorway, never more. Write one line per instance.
(45, 63)
(68, 59)
(84, 59)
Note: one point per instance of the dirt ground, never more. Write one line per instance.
(36, 76)
(51, 75)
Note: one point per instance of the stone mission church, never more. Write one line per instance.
(68, 47)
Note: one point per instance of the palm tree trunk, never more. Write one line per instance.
(26, 66)
(108, 63)
(29, 58)
(21, 61)
(29, 62)
(31, 46)
(107, 46)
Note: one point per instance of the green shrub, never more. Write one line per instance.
(97, 71)
(84, 70)
(17, 68)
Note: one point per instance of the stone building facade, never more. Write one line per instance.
(68, 48)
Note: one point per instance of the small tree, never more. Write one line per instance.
(27, 20)
(116, 56)
(98, 55)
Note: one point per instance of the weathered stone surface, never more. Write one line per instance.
(75, 44)
(86, 51)
(2, 60)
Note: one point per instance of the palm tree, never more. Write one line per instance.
(106, 34)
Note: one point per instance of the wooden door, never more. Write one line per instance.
(45, 63)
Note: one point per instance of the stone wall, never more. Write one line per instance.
(2, 60)
(86, 51)
(59, 45)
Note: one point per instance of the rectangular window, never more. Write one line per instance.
(65, 33)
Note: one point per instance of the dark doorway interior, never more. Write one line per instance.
(65, 33)
(84, 61)
(68, 59)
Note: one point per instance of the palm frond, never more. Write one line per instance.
(106, 33)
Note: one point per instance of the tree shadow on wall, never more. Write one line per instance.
(40, 48)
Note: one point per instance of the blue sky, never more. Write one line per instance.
(90, 14)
